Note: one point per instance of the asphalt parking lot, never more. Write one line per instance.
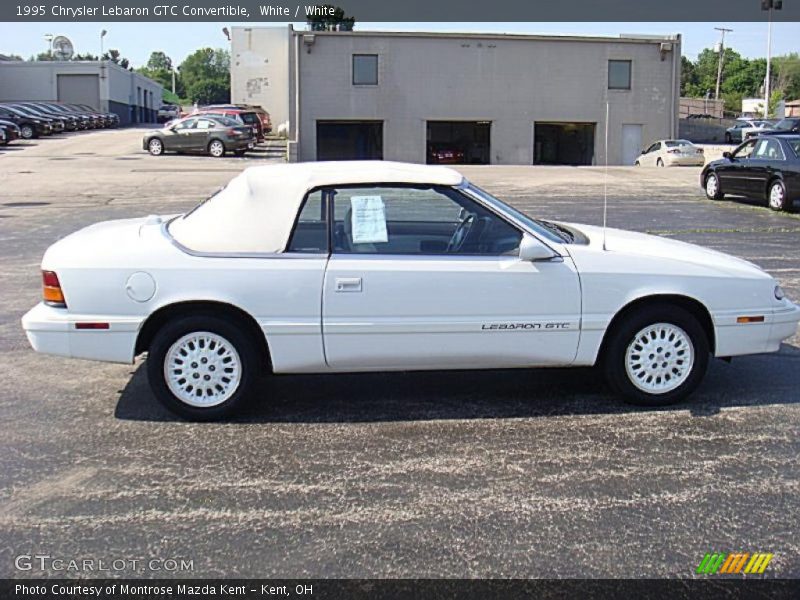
(495, 474)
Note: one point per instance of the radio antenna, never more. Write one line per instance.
(605, 182)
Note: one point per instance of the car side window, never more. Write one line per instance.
(204, 124)
(406, 220)
(310, 235)
(188, 124)
(768, 150)
(654, 147)
(745, 150)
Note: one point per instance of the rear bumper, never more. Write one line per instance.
(53, 331)
(686, 161)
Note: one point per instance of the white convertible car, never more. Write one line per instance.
(378, 266)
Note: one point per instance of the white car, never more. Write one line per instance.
(380, 266)
(671, 153)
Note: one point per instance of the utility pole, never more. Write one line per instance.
(769, 6)
(723, 31)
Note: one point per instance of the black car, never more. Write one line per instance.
(70, 121)
(58, 125)
(766, 167)
(12, 132)
(30, 127)
(787, 125)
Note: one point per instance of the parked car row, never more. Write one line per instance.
(30, 120)
(744, 129)
(208, 133)
(249, 114)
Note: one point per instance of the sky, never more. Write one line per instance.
(136, 40)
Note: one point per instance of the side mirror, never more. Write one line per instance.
(727, 155)
(531, 249)
(644, 151)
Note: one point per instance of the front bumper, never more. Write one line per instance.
(53, 331)
(735, 339)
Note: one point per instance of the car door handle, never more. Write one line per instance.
(348, 284)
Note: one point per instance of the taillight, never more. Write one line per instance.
(51, 290)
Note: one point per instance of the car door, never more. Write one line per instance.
(201, 134)
(766, 159)
(179, 135)
(648, 159)
(732, 173)
(429, 278)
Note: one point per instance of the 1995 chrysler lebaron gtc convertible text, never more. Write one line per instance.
(372, 266)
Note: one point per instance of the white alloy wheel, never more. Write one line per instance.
(776, 196)
(659, 358)
(712, 186)
(202, 369)
(26, 131)
(216, 149)
(155, 146)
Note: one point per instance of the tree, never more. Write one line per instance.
(787, 75)
(688, 76)
(159, 69)
(337, 22)
(159, 61)
(206, 76)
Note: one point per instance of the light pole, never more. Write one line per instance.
(769, 6)
(102, 35)
(723, 31)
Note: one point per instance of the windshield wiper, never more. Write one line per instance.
(562, 232)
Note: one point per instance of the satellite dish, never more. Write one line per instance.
(62, 48)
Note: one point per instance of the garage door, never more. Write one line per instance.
(79, 89)
(349, 140)
(455, 142)
(563, 143)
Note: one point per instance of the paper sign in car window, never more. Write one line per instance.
(368, 220)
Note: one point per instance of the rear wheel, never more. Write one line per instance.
(712, 188)
(216, 149)
(155, 147)
(776, 196)
(239, 152)
(656, 356)
(659, 163)
(202, 368)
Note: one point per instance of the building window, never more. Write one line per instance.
(365, 69)
(619, 74)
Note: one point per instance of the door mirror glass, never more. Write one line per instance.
(726, 155)
(531, 249)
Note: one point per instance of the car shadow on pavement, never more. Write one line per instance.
(497, 394)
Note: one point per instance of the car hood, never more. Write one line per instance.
(670, 254)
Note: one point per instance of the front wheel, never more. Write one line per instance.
(155, 147)
(202, 368)
(659, 163)
(712, 188)
(216, 149)
(656, 356)
(27, 132)
(776, 196)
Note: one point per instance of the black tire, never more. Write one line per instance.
(659, 163)
(27, 132)
(625, 334)
(239, 152)
(155, 146)
(776, 196)
(713, 192)
(214, 147)
(233, 335)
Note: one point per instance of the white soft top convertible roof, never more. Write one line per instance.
(255, 213)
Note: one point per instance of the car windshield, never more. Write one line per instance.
(249, 118)
(546, 229)
(676, 143)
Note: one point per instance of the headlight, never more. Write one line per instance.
(779, 295)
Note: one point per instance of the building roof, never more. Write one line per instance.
(566, 37)
(256, 211)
